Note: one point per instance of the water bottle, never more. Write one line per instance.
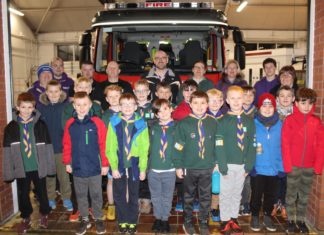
(216, 182)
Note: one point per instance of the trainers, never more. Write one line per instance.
(196, 206)
(226, 227)
(111, 212)
(122, 227)
(68, 204)
(203, 228)
(179, 206)
(43, 221)
(302, 227)
(100, 227)
(291, 227)
(145, 206)
(52, 204)
(246, 209)
(165, 227)
(24, 225)
(74, 217)
(132, 229)
(188, 228)
(268, 223)
(156, 226)
(215, 215)
(255, 224)
(236, 228)
(84, 225)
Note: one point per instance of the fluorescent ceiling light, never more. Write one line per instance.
(241, 6)
(13, 10)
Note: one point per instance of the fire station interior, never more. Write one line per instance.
(44, 29)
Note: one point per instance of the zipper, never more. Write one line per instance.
(87, 137)
(305, 141)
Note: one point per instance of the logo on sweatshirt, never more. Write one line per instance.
(178, 146)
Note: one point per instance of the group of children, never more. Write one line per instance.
(135, 139)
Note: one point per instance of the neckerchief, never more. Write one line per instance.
(164, 141)
(239, 130)
(201, 133)
(127, 140)
(26, 135)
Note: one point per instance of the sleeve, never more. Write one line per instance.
(144, 148)
(67, 144)
(220, 149)
(102, 132)
(180, 112)
(319, 150)
(179, 144)
(7, 162)
(286, 135)
(112, 148)
(251, 151)
(96, 109)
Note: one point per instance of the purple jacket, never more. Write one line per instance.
(66, 82)
(263, 86)
(36, 90)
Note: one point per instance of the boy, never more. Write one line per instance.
(236, 156)
(248, 99)
(127, 147)
(85, 158)
(300, 133)
(161, 176)
(28, 156)
(183, 109)
(285, 101)
(215, 103)
(163, 91)
(51, 107)
(195, 158)
(112, 93)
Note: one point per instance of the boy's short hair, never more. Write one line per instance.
(87, 62)
(113, 88)
(26, 97)
(142, 82)
(199, 94)
(304, 94)
(157, 104)
(285, 88)
(81, 95)
(268, 61)
(127, 96)
(246, 89)
(163, 85)
(215, 92)
(53, 83)
(189, 83)
(288, 69)
(200, 62)
(234, 88)
(83, 79)
(57, 59)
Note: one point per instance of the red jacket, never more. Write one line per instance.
(301, 138)
(183, 110)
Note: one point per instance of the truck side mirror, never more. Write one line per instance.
(84, 47)
(239, 50)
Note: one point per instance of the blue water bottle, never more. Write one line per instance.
(216, 182)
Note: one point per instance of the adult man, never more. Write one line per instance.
(112, 71)
(160, 73)
(59, 74)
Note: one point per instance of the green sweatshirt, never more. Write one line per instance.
(227, 148)
(107, 115)
(186, 154)
(30, 164)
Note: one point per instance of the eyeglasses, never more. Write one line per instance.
(141, 91)
(160, 58)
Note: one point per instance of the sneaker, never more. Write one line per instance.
(246, 209)
(291, 227)
(74, 217)
(24, 226)
(215, 215)
(255, 224)
(132, 229)
(226, 228)
(236, 228)
(43, 221)
(283, 212)
(179, 206)
(84, 225)
(52, 204)
(122, 228)
(111, 212)
(68, 204)
(302, 227)
(145, 206)
(268, 223)
(165, 227)
(196, 206)
(156, 226)
(188, 228)
(100, 227)
(203, 228)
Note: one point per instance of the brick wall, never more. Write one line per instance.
(316, 202)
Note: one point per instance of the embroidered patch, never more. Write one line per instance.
(178, 146)
(192, 135)
(244, 129)
(219, 142)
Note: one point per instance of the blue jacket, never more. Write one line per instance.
(268, 158)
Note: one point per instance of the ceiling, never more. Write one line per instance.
(45, 16)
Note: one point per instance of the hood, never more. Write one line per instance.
(45, 101)
(36, 114)
(297, 112)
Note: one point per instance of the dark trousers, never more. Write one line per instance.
(197, 180)
(265, 187)
(179, 187)
(23, 187)
(144, 190)
(282, 190)
(127, 212)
